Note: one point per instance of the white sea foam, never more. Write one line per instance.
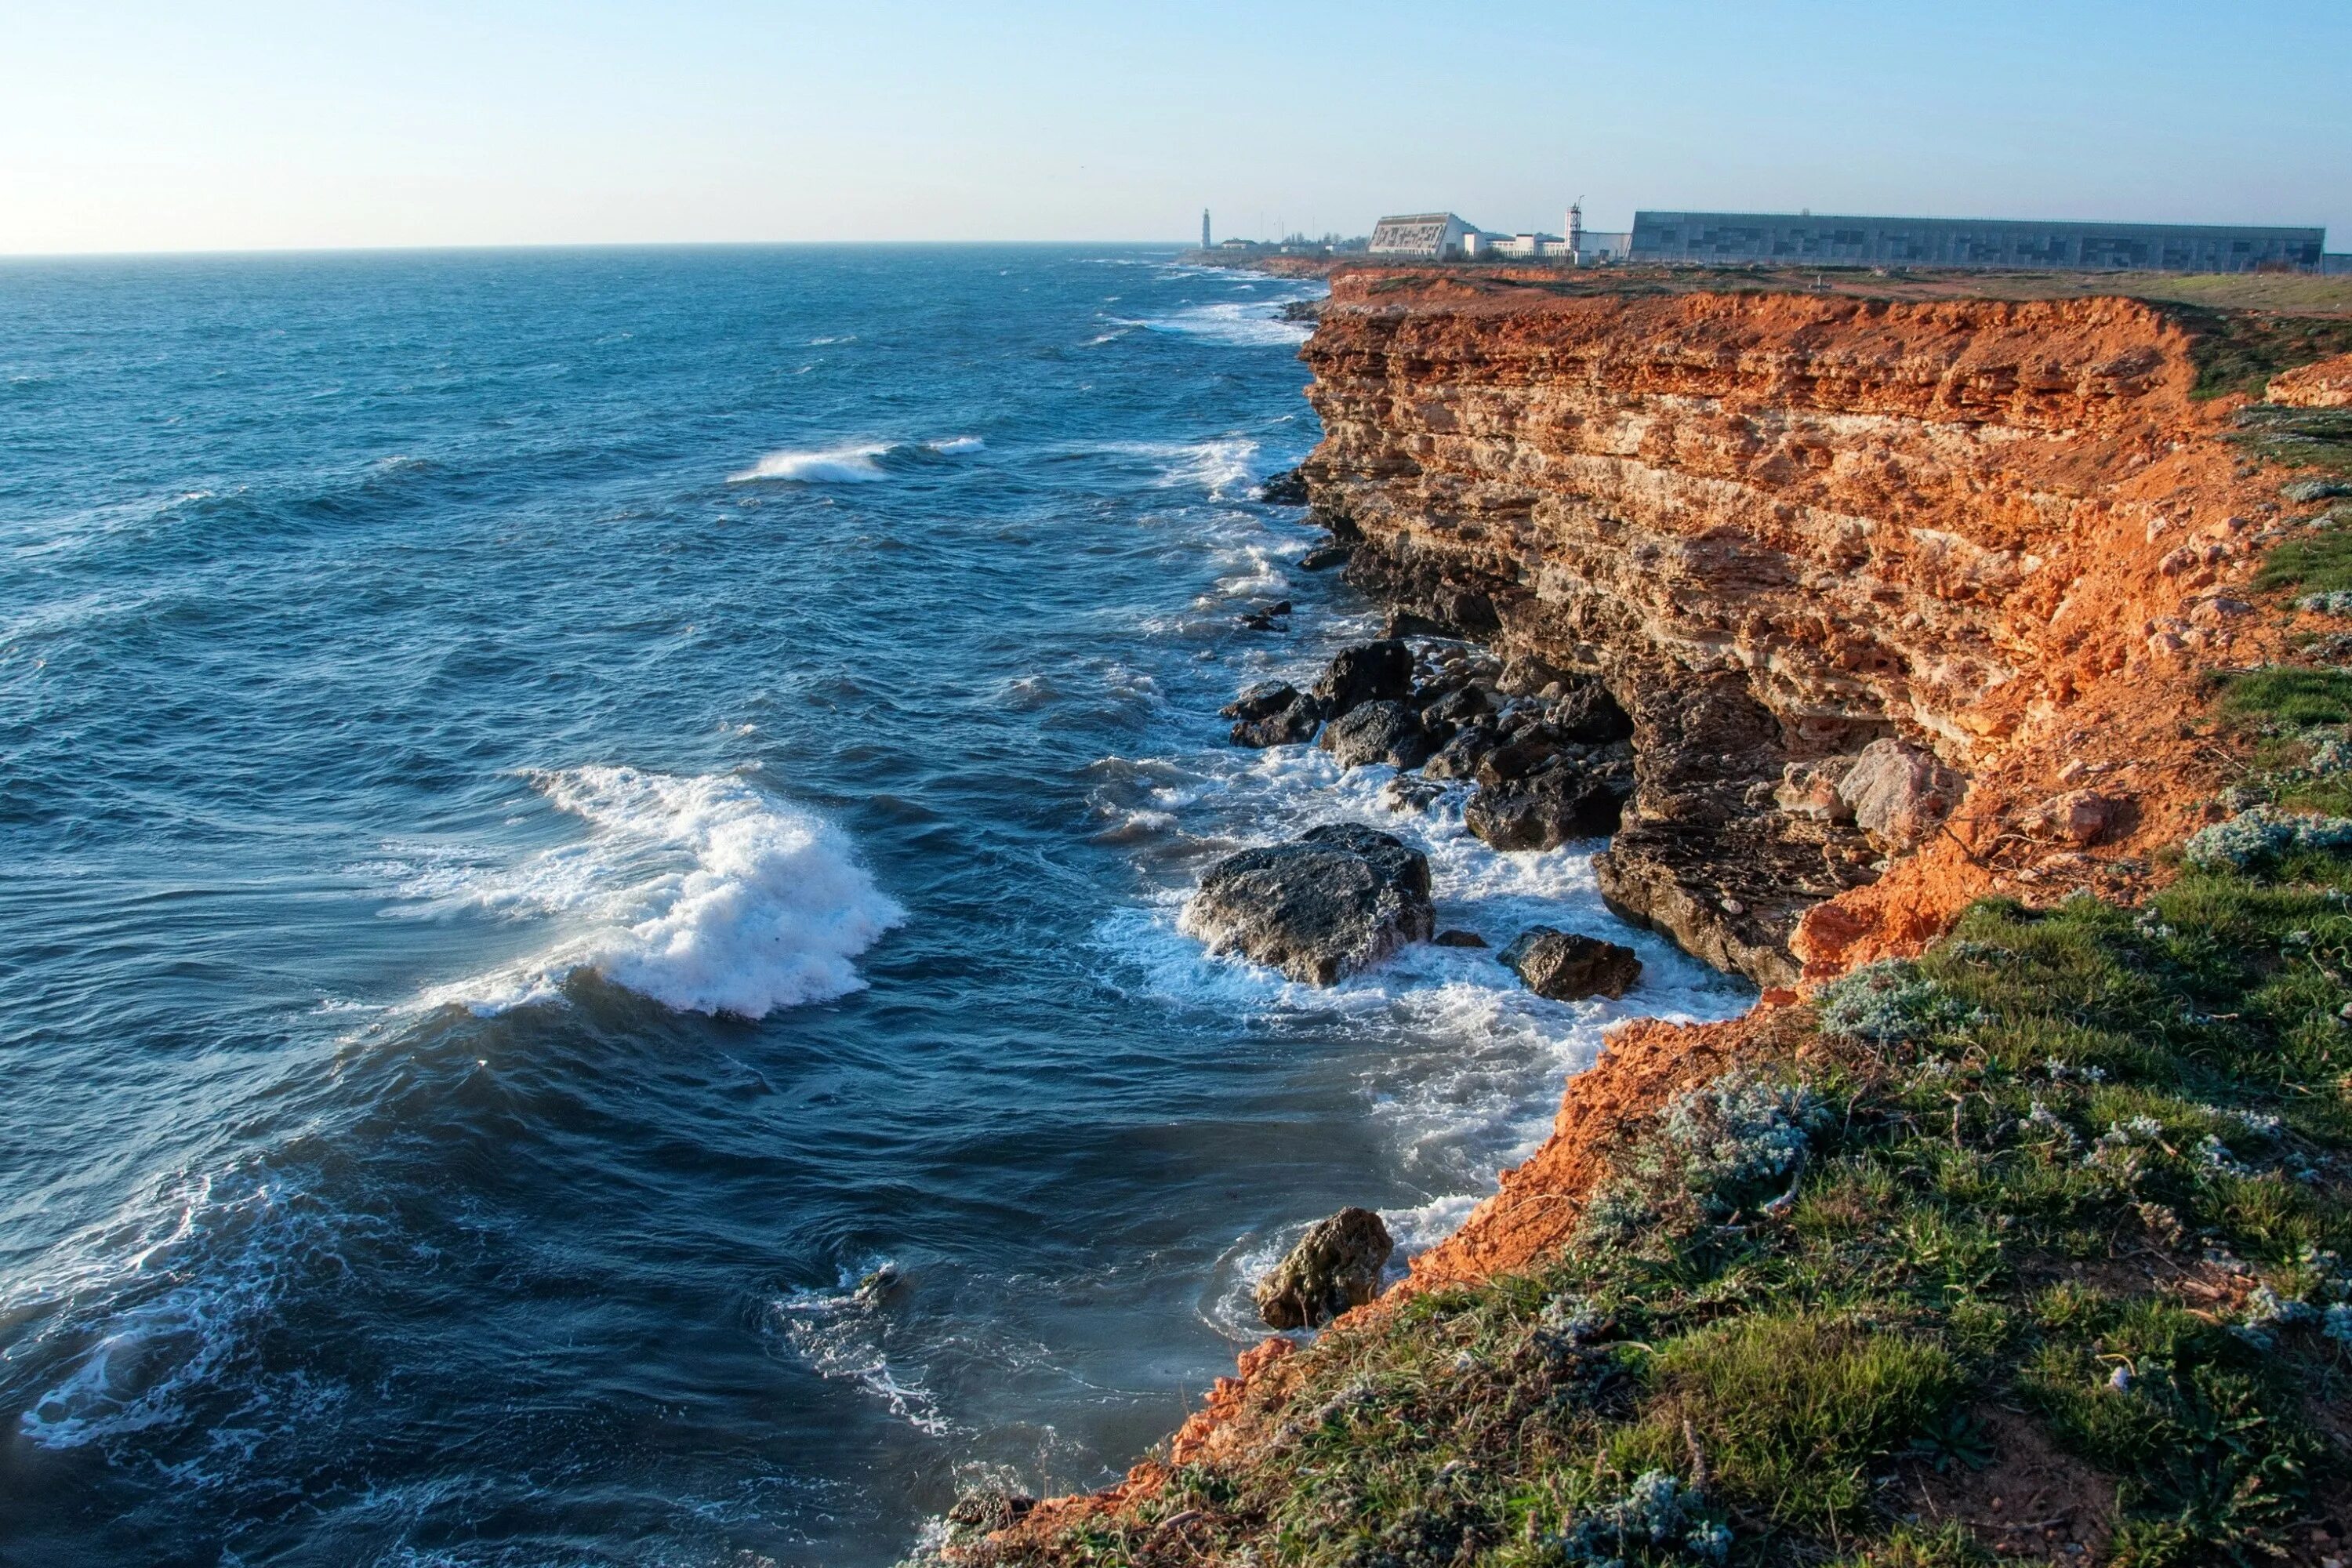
(1241, 323)
(847, 465)
(704, 892)
(843, 1335)
(161, 1304)
(1223, 466)
(829, 465)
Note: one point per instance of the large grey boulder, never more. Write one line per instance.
(1380, 731)
(1319, 907)
(1900, 793)
(1336, 1265)
(1567, 967)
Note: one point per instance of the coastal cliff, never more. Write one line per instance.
(1784, 527)
(1919, 607)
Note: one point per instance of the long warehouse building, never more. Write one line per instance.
(1796, 240)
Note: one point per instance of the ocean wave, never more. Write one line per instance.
(1223, 465)
(850, 465)
(158, 1309)
(703, 892)
(1241, 323)
(829, 465)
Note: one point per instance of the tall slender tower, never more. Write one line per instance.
(1205, 228)
(1575, 228)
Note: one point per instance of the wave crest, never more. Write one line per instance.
(703, 892)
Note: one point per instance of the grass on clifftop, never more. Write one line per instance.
(2037, 1245)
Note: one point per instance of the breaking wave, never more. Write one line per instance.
(703, 892)
(849, 464)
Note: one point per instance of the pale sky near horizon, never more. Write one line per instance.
(274, 123)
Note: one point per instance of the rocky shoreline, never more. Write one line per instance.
(1845, 615)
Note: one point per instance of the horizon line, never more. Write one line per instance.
(464, 247)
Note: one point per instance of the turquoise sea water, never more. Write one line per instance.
(560, 808)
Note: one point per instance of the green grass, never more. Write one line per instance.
(2297, 437)
(2286, 694)
(2239, 350)
(2317, 563)
(2052, 1126)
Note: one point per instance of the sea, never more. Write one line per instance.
(561, 810)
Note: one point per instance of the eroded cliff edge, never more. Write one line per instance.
(2004, 543)
(1784, 527)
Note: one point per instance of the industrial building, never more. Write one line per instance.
(1799, 238)
(1436, 236)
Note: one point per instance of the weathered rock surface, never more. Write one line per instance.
(1555, 806)
(1336, 1265)
(2327, 385)
(1273, 713)
(1899, 792)
(1458, 939)
(1775, 530)
(1375, 672)
(2080, 816)
(1322, 907)
(1378, 732)
(1287, 487)
(1567, 967)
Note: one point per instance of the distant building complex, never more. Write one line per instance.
(1776, 239)
(1806, 239)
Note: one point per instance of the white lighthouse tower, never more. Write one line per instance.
(1205, 228)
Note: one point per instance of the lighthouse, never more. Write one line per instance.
(1205, 228)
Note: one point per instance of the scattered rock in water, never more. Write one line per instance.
(1459, 757)
(1274, 617)
(1458, 938)
(1336, 1265)
(1561, 805)
(1322, 907)
(1900, 793)
(1323, 557)
(1273, 713)
(1567, 967)
(1372, 672)
(1382, 730)
(1286, 488)
(1409, 791)
(878, 1286)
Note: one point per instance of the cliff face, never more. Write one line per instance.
(1784, 527)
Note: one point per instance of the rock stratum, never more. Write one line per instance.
(1787, 528)
(1909, 602)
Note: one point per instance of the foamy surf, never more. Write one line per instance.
(704, 892)
(856, 464)
(843, 1335)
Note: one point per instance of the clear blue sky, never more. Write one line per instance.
(203, 126)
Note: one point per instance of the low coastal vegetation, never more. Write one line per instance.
(2039, 1246)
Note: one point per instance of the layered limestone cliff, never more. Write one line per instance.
(1902, 596)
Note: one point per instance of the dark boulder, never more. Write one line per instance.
(1457, 938)
(1566, 967)
(1319, 908)
(1453, 708)
(1380, 731)
(1273, 713)
(1373, 672)
(1336, 1265)
(1458, 758)
(1545, 810)
(1585, 712)
(1286, 488)
(1267, 617)
(1323, 557)
(1261, 700)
